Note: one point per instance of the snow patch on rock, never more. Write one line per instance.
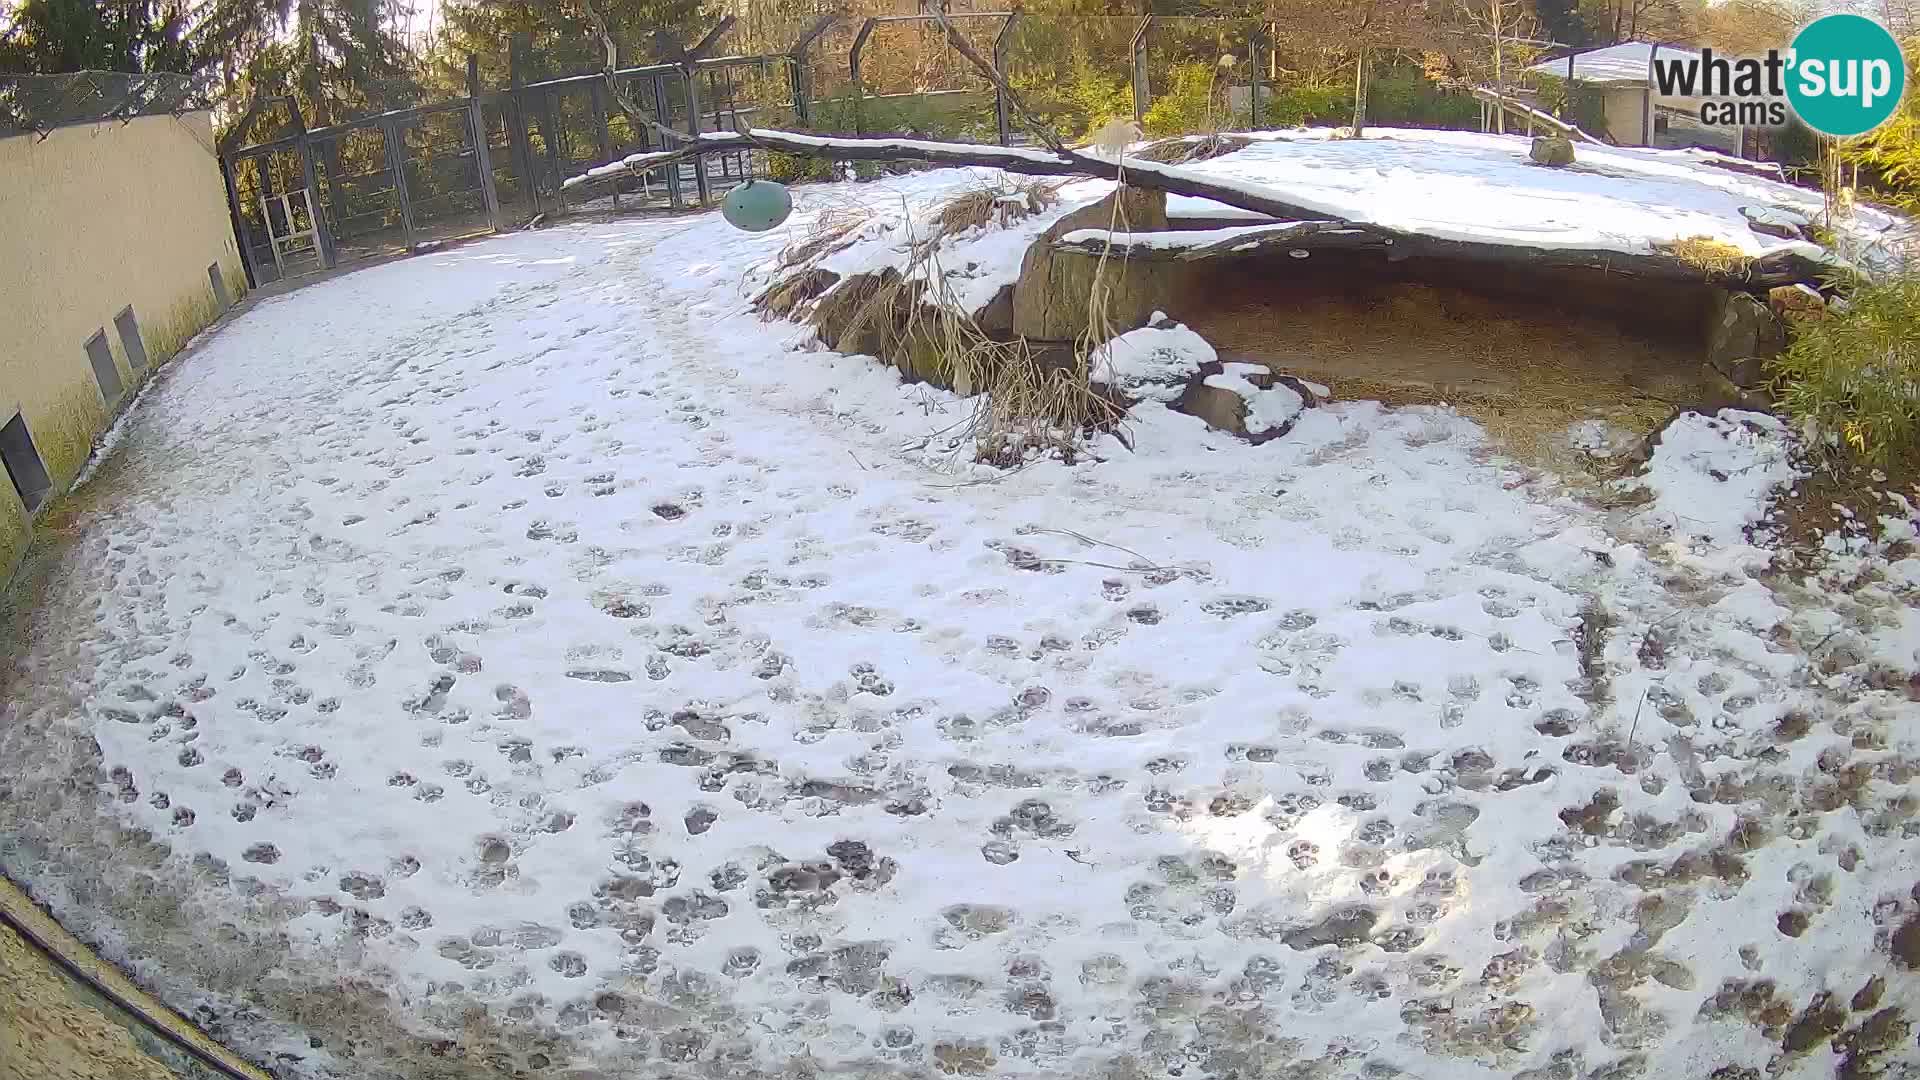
(1153, 363)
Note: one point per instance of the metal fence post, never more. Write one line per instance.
(853, 70)
(1257, 54)
(322, 236)
(597, 97)
(800, 73)
(396, 148)
(482, 154)
(673, 171)
(550, 134)
(692, 76)
(1001, 115)
(797, 79)
(517, 48)
(1140, 70)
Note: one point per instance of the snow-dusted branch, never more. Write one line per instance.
(1523, 110)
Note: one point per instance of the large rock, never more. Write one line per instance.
(1796, 303)
(1553, 151)
(1718, 392)
(1051, 300)
(1742, 336)
(1247, 400)
(1153, 363)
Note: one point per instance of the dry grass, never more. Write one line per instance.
(788, 294)
(998, 205)
(1713, 256)
(830, 230)
(1185, 149)
(1026, 401)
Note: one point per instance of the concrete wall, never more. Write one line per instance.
(1626, 114)
(93, 218)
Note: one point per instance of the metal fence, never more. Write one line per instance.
(41, 103)
(498, 157)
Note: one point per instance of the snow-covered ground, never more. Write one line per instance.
(521, 658)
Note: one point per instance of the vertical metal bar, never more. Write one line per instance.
(853, 71)
(1140, 70)
(397, 172)
(239, 221)
(1256, 47)
(1002, 117)
(482, 155)
(673, 171)
(597, 97)
(1646, 117)
(1566, 106)
(329, 151)
(797, 78)
(273, 242)
(517, 48)
(801, 70)
(597, 94)
(693, 128)
(322, 236)
(550, 133)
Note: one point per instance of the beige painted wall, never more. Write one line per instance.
(1626, 114)
(95, 217)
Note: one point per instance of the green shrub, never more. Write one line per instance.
(963, 117)
(1194, 103)
(793, 169)
(1405, 97)
(1856, 375)
(1890, 155)
(1304, 106)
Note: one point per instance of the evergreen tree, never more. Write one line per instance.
(52, 36)
(1560, 21)
(564, 36)
(336, 57)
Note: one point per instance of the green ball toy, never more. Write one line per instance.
(757, 205)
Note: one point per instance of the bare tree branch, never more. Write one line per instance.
(628, 107)
(1040, 129)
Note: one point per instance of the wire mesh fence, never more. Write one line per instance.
(41, 103)
(502, 155)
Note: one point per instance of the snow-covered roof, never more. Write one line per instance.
(1623, 63)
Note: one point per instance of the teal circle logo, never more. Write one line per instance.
(1847, 75)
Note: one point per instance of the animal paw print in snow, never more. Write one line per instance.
(869, 680)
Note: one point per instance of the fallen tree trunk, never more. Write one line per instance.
(1328, 227)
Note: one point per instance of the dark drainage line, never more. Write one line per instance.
(146, 1019)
